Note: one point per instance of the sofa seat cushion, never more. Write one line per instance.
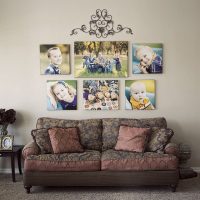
(86, 161)
(122, 160)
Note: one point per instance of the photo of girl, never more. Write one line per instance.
(62, 95)
(101, 94)
(140, 94)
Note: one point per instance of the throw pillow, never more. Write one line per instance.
(65, 140)
(159, 139)
(132, 139)
(41, 138)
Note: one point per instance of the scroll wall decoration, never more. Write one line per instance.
(101, 25)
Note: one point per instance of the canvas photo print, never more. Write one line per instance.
(55, 59)
(147, 58)
(101, 59)
(101, 94)
(140, 94)
(62, 95)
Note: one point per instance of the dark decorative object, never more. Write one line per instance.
(6, 117)
(101, 25)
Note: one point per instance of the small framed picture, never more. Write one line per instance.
(6, 142)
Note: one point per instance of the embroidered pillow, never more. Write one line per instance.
(41, 138)
(132, 139)
(65, 140)
(159, 139)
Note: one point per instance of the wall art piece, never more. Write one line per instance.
(101, 59)
(140, 94)
(147, 58)
(61, 95)
(101, 94)
(54, 59)
(101, 25)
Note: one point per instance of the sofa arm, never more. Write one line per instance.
(172, 148)
(30, 149)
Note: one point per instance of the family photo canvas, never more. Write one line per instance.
(140, 94)
(101, 59)
(55, 59)
(101, 94)
(62, 95)
(147, 58)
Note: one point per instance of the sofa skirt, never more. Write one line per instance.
(101, 178)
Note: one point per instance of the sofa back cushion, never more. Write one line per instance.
(111, 128)
(132, 139)
(46, 122)
(90, 130)
(65, 140)
(91, 133)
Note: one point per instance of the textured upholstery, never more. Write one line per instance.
(30, 149)
(111, 128)
(65, 140)
(159, 139)
(41, 138)
(132, 139)
(122, 160)
(86, 161)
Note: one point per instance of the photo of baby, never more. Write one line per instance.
(62, 95)
(55, 59)
(101, 94)
(140, 94)
(147, 58)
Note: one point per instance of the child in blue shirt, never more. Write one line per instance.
(55, 57)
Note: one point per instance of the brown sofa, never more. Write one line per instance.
(100, 164)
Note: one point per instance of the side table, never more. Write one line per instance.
(17, 151)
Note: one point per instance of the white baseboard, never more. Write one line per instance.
(8, 171)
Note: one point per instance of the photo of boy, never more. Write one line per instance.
(140, 95)
(61, 95)
(54, 59)
(147, 58)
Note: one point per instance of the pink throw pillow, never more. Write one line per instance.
(65, 140)
(132, 139)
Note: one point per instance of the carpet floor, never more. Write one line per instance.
(188, 189)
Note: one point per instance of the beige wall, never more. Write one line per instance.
(25, 24)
